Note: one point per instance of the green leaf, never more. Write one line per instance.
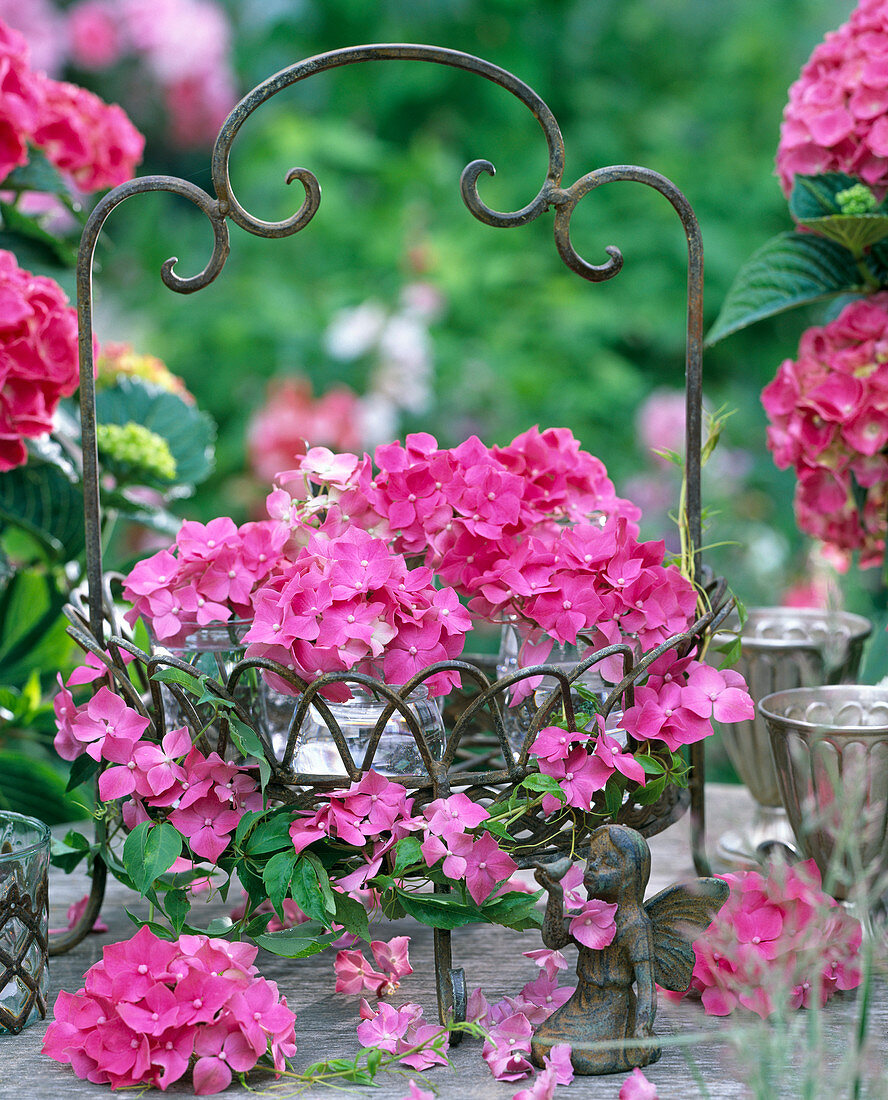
(44, 498)
(731, 652)
(408, 852)
(815, 196)
(68, 853)
(536, 781)
(514, 910)
(166, 674)
(82, 770)
(258, 925)
(438, 910)
(352, 915)
(177, 907)
(649, 794)
(613, 797)
(15, 221)
(856, 232)
(276, 878)
(310, 888)
(32, 786)
(189, 433)
(299, 942)
(789, 270)
(32, 628)
(149, 851)
(651, 765)
(250, 744)
(39, 174)
(271, 836)
(247, 821)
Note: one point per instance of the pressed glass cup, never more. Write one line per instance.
(24, 917)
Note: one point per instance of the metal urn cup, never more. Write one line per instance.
(831, 754)
(782, 648)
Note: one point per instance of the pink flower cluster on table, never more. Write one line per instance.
(829, 421)
(778, 940)
(92, 143)
(836, 119)
(208, 576)
(38, 360)
(150, 1006)
(208, 794)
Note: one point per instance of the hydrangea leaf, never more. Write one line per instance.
(789, 270)
(32, 628)
(16, 223)
(352, 915)
(39, 174)
(33, 787)
(189, 433)
(853, 231)
(276, 877)
(44, 498)
(514, 910)
(815, 196)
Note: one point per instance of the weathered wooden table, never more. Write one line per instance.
(714, 1067)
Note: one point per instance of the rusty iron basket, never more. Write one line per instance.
(477, 758)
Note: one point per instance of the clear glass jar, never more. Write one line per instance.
(24, 916)
(563, 657)
(397, 752)
(214, 650)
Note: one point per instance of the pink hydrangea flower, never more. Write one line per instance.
(396, 1030)
(779, 940)
(637, 1087)
(90, 141)
(828, 412)
(210, 575)
(39, 334)
(150, 1006)
(835, 120)
(506, 1048)
(20, 100)
(291, 420)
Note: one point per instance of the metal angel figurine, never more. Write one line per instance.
(652, 944)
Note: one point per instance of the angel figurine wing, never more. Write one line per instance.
(678, 914)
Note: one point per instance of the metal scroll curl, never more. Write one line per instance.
(385, 52)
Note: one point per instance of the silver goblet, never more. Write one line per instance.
(831, 753)
(782, 648)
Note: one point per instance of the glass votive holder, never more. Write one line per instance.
(24, 920)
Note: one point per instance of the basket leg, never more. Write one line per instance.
(698, 810)
(450, 982)
(58, 945)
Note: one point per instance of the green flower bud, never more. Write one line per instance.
(135, 454)
(856, 200)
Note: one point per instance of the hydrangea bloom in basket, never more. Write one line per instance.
(335, 600)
